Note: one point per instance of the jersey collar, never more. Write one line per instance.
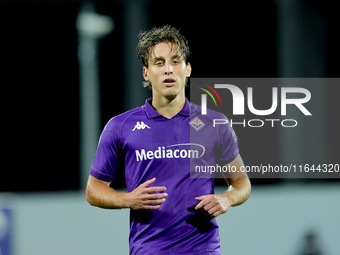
(152, 113)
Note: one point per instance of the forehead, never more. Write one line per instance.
(164, 50)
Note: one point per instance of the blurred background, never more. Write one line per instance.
(70, 65)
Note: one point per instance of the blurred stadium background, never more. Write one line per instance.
(70, 65)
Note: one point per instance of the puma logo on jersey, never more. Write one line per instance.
(140, 126)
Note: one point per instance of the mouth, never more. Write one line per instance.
(169, 82)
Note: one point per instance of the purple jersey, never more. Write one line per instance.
(149, 145)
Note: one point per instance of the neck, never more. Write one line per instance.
(168, 107)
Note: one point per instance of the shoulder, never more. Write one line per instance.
(120, 120)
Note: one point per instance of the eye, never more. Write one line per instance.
(176, 62)
(159, 63)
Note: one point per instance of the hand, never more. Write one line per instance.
(142, 198)
(213, 205)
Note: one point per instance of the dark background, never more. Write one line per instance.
(40, 80)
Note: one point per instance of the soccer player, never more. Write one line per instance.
(157, 144)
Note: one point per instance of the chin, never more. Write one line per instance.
(172, 94)
(171, 97)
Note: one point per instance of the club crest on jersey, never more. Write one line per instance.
(140, 125)
(197, 124)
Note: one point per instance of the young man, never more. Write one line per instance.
(171, 212)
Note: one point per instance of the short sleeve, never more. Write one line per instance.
(228, 143)
(106, 160)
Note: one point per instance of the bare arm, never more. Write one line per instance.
(239, 184)
(98, 193)
(238, 192)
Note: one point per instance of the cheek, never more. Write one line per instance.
(183, 72)
(155, 73)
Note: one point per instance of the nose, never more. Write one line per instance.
(168, 69)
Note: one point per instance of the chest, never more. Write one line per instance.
(149, 134)
(162, 138)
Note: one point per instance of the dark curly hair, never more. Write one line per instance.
(165, 34)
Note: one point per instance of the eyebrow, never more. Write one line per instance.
(155, 59)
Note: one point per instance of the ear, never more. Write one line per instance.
(188, 70)
(146, 73)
